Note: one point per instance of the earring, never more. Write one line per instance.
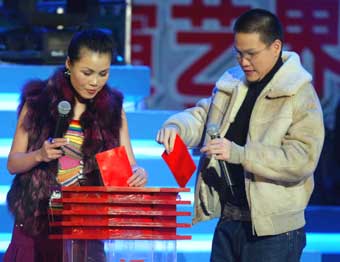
(67, 72)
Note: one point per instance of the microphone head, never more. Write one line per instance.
(64, 107)
(212, 130)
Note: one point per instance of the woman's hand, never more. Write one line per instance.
(139, 177)
(51, 149)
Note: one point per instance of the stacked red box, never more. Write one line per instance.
(117, 213)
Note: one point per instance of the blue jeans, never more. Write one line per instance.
(233, 241)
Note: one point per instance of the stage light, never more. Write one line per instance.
(60, 10)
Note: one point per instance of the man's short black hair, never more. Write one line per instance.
(260, 21)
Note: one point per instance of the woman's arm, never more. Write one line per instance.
(139, 177)
(19, 160)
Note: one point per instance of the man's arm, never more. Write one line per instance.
(188, 124)
(298, 154)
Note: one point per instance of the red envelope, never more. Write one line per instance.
(180, 162)
(114, 166)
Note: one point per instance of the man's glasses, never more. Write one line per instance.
(249, 56)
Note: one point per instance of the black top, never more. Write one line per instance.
(238, 131)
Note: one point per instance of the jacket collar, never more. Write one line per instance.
(279, 86)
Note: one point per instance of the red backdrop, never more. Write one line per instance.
(188, 45)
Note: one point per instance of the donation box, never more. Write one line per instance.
(117, 224)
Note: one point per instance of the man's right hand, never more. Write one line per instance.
(167, 136)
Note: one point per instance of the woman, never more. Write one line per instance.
(96, 123)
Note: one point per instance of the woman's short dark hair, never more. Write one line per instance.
(95, 40)
(260, 21)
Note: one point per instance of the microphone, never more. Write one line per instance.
(212, 131)
(64, 109)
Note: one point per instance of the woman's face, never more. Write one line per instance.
(89, 74)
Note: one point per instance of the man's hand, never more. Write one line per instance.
(219, 148)
(167, 136)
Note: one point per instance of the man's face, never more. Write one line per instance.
(255, 57)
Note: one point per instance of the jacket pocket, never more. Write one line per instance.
(274, 199)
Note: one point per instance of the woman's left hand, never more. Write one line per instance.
(139, 177)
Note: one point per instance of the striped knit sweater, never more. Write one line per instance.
(70, 166)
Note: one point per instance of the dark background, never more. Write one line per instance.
(33, 32)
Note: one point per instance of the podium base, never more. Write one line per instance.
(119, 250)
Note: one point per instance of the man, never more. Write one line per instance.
(271, 132)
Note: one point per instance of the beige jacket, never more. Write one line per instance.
(284, 142)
